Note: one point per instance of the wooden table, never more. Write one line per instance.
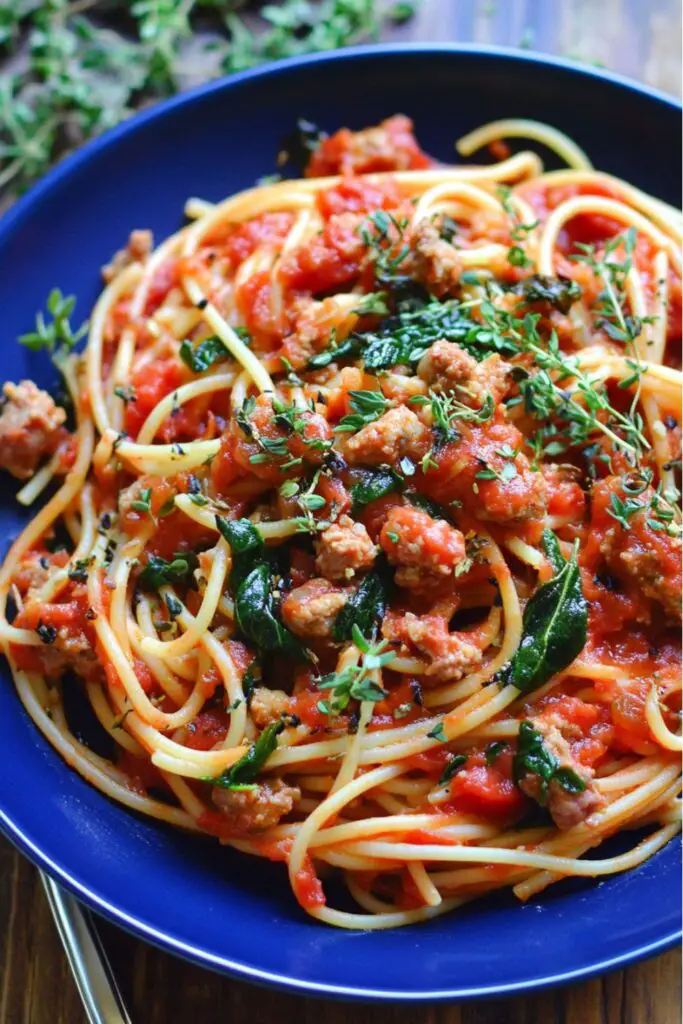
(640, 38)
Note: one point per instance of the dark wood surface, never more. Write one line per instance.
(640, 38)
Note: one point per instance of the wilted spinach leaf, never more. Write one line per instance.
(365, 608)
(210, 351)
(256, 618)
(246, 545)
(242, 773)
(374, 484)
(533, 757)
(559, 292)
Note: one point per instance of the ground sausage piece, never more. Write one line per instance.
(436, 262)
(252, 810)
(30, 425)
(389, 146)
(138, 249)
(268, 705)
(566, 809)
(450, 655)
(343, 550)
(310, 610)
(69, 652)
(36, 568)
(447, 367)
(397, 433)
(423, 548)
(649, 558)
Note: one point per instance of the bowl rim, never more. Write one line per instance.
(164, 939)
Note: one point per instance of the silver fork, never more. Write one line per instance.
(87, 959)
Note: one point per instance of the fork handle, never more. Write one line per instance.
(87, 959)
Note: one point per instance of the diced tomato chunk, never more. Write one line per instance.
(151, 382)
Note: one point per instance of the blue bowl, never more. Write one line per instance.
(189, 895)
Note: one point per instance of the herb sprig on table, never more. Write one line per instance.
(84, 65)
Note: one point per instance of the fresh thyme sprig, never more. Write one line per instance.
(545, 399)
(84, 65)
(519, 232)
(55, 335)
(355, 682)
(446, 411)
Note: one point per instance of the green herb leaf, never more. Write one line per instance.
(367, 407)
(453, 766)
(57, 333)
(205, 354)
(554, 627)
(366, 607)
(242, 773)
(246, 546)
(374, 484)
(256, 618)
(493, 750)
(532, 757)
(158, 572)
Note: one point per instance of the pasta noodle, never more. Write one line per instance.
(365, 545)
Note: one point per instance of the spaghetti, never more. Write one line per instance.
(365, 546)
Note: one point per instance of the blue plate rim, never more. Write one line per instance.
(136, 123)
(162, 938)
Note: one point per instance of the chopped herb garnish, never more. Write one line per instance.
(367, 407)
(355, 682)
(158, 572)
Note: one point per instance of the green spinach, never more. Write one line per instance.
(242, 773)
(532, 757)
(246, 545)
(374, 484)
(365, 608)
(210, 351)
(255, 615)
(559, 292)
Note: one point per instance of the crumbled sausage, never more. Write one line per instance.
(252, 810)
(36, 568)
(436, 262)
(30, 425)
(447, 367)
(310, 610)
(647, 557)
(137, 251)
(450, 656)
(268, 705)
(343, 550)
(567, 809)
(399, 386)
(315, 326)
(69, 652)
(424, 549)
(397, 433)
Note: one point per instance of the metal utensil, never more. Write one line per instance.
(88, 961)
